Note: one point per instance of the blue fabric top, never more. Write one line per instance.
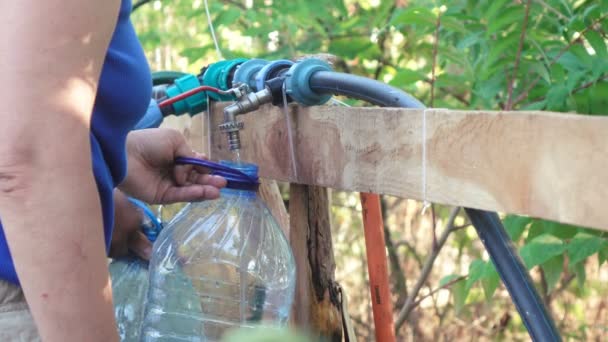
(123, 95)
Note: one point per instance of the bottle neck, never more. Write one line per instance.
(238, 193)
(241, 185)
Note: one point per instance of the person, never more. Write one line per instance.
(75, 83)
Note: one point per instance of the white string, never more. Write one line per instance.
(335, 101)
(208, 128)
(425, 202)
(217, 46)
(292, 149)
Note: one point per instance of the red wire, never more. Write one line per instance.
(189, 93)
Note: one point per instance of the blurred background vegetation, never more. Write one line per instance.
(473, 54)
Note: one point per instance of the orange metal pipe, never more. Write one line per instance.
(382, 305)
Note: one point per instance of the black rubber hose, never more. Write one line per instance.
(488, 225)
(378, 93)
(166, 77)
(139, 4)
(514, 275)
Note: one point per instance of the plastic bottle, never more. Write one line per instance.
(219, 265)
(130, 282)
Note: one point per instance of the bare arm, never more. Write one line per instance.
(50, 61)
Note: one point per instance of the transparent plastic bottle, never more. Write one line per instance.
(219, 265)
(130, 282)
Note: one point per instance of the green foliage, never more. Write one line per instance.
(458, 288)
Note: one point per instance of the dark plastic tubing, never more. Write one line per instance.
(165, 77)
(488, 225)
(378, 93)
(514, 275)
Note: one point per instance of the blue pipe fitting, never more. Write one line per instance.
(269, 71)
(218, 75)
(297, 82)
(246, 72)
(192, 104)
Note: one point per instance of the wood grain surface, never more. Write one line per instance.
(542, 164)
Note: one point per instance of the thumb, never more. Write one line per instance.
(140, 245)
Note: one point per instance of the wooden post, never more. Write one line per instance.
(316, 305)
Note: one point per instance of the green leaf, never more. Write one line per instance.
(535, 105)
(469, 40)
(576, 24)
(540, 249)
(553, 269)
(560, 230)
(494, 8)
(453, 24)
(406, 76)
(582, 246)
(227, 17)
(592, 12)
(581, 274)
(507, 17)
(515, 225)
(488, 89)
(497, 52)
(558, 74)
(458, 290)
(415, 16)
(451, 54)
(536, 229)
(574, 78)
(460, 293)
(541, 70)
(599, 67)
(490, 280)
(556, 97)
(196, 53)
(349, 47)
(597, 43)
(569, 61)
(476, 271)
(443, 281)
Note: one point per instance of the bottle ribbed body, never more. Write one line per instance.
(218, 265)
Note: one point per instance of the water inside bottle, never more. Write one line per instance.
(236, 156)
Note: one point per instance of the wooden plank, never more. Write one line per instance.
(547, 165)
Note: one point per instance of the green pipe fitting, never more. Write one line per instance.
(218, 75)
(193, 104)
(297, 82)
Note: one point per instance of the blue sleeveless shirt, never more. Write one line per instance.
(123, 95)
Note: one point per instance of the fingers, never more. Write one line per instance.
(191, 193)
(140, 245)
(181, 173)
(206, 179)
(127, 220)
(187, 175)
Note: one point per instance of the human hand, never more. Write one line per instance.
(152, 175)
(127, 235)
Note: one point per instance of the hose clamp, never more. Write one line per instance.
(297, 82)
